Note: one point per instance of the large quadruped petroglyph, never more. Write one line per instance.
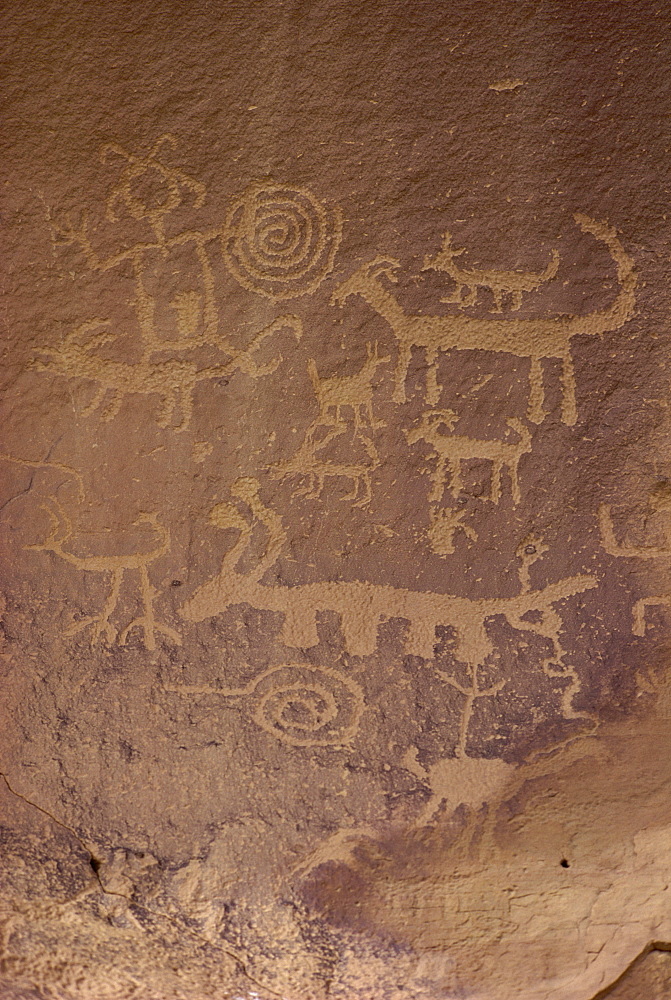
(335, 502)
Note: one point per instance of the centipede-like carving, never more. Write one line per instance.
(280, 241)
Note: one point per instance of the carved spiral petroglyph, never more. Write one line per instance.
(280, 241)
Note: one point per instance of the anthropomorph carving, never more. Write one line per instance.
(660, 507)
(116, 566)
(500, 283)
(536, 339)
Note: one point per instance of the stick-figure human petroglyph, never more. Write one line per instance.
(500, 283)
(307, 464)
(451, 450)
(660, 504)
(536, 339)
(116, 566)
(173, 381)
(362, 605)
(352, 391)
(168, 184)
(300, 704)
(280, 241)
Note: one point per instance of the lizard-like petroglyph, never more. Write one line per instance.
(536, 339)
(500, 283)
(451, 450)
(116, 566)
(362, 605)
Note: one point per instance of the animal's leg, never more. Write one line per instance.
(456, 484)
(536, 413)
(167, 409)
(95, 402)
(498, 299)
(186, 405)
(113, 406)
(438, 481)
(569, 412)
(147, 621)
(517, 301)
(101, 623)
(433, 390)
(638, 627)
(402, 365)
(375, 424)
(363, 481)
(471, 298)
(495, 491)
(514, 480)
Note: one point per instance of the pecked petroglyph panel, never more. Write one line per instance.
(334, 530)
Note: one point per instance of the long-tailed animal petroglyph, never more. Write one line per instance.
(174, 380)
(116, 566)
(300, 704)
(362, 606)
(280, 241)
(307, 464)
(451, 450)
(536, 339)
(660, 504)
(500, 283)
(456, 780)
(352, 391)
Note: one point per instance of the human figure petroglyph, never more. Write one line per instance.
(116, 566)
(173, 380)
(500, 283)
(362, 606)
(536, 339)
(659, 504)
(300, 704)
(280, 241)
(352, 391)
(451, 450)
(307, 464)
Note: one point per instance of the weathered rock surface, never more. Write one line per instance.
(335, 503)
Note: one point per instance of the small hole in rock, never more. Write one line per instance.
(176, 583)
(95, 865)
(564, 863)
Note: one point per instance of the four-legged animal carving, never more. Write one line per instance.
(452, 449)
(174, 380)
(500, 283)
(116, 565)
(355, 391)
(307, 463)
(536, 339)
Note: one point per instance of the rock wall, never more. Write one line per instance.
(335, 502)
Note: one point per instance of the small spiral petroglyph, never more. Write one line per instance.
(308, 706)
(280, 241)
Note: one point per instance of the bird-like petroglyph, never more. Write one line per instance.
(659, 504)
(173, 380)
(300, 704)
(362, 605)
(280, 241)
(500, 283)
(435, 428)
(536, 339)
(116, 566)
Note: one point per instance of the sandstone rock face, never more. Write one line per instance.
(336, 502)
